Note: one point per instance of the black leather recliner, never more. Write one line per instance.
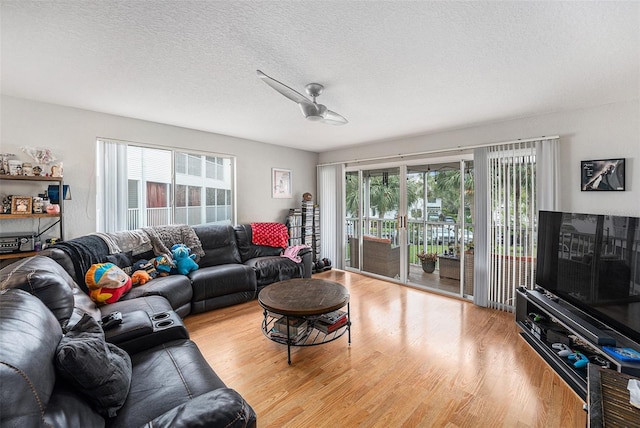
(171, 383)
(267, 262)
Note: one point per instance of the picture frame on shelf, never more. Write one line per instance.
(281, 183)
(602, 175)
(21, 205)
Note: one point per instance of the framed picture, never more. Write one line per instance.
(21, 205)
(598, 175)
(281, 183)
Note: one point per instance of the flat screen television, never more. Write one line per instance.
(593, 262)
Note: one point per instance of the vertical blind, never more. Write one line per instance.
(331, 202)
(514, 173)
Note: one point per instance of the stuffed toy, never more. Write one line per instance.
(163, 265)
(146, 266)
(184, 262)
(140, 277)
(106, 283)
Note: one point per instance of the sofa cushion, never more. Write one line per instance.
(221, 280)
(222, 407)
(68, 408)
(29, 336)
(45, 279)
(219, 244)
(99, 370)
(175, 288)
(274, 268)
(164, 377)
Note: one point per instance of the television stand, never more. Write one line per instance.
(544, 321)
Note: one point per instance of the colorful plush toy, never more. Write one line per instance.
(163, 265)
(146, 266)
(106, 283)
(184, 261)
(140, 277)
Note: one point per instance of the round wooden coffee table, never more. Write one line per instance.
(307, 308)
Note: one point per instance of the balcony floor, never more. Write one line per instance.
(432, 280)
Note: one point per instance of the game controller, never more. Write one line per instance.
(563, 350)
(580, 360)
(596, 359)
(114, 319)
(536, 317)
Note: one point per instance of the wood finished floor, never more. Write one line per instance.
(416, 359)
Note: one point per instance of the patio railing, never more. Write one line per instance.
(427, 236)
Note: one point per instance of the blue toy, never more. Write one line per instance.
(184, 261)
(581, 361)
(163, 266)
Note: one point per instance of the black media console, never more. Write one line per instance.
(544, 320)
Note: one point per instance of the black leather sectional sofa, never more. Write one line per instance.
(58, 367)
(232, 269)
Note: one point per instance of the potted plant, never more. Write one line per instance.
(428, 261)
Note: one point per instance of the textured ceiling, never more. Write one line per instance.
(391, 68)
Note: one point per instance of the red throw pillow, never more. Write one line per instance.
(270, 234)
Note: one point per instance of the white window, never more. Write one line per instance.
(143, 186)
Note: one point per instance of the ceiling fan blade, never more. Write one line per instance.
(292, 94)
(334, 118)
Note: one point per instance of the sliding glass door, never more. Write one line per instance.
(440, 226)
(372, 222)
(399, 216)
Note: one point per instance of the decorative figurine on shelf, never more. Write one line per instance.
(37, 170)
(15, 167)
(53, 209)
(307, 197)
(56, 170)
(27, 169)
(4, 162)
(37, 205)
(6, 205)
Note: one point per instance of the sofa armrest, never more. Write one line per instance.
(222, 407)
(140, 331)
(307, 262)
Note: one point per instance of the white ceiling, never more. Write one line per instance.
(392, 68)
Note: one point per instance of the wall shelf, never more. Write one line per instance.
(21, 216)
(17, 255)
(18, 180)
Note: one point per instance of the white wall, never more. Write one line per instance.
(71, 135)
(609, 131)
(596, 133)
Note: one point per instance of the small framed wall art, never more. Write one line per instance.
(21, 204)
(281, 183)
(605, 174)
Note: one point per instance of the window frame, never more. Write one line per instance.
(104, 202)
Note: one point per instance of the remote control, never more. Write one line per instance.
(112, 320)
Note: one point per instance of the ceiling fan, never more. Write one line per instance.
(310, 109)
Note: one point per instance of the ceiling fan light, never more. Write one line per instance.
(313, 112)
